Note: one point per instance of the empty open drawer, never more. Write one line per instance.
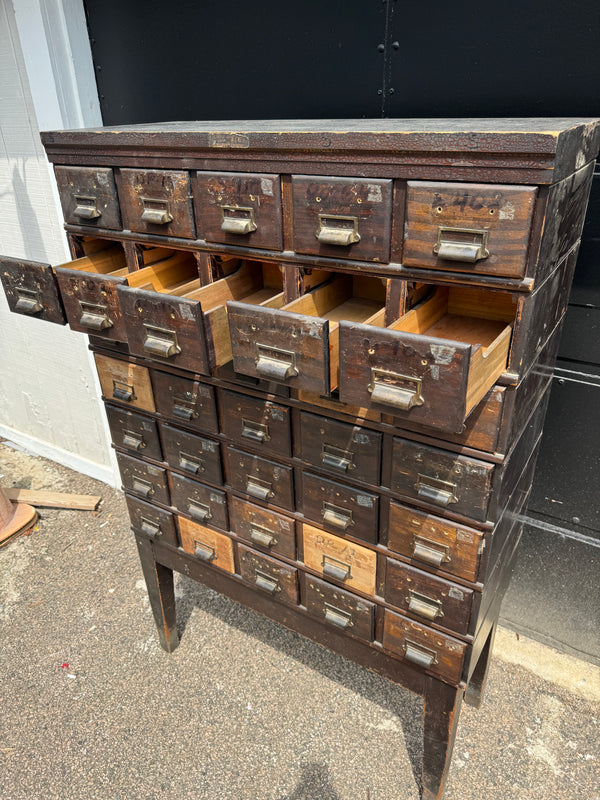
(434, 364)
(297, 345)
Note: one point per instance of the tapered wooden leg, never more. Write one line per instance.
(161, 593)
(476, 685)
(440, 720)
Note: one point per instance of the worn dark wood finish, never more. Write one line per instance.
(31, 289)
(204, 504)
(477, 681)
(134, 432)
(440, 721)
(88, 196)
(264, 528)
(161, 593)
(165, 192)
(186, 401)
(259, 478)
(150, 521)
(255, 423)
(188, 452)
(278, 580)
(340, 609)
(143, 480)
(340, 507)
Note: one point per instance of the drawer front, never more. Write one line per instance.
(203, 503)
(209, 546)
(428, 597)
(339, 560)
(423, 647)
(259, 478)
(341, 508)
(434, 541)
(164, 328)
(91, 303)
(257, 423)
(157, 201)
(339, 608)
(134, 432)
(340, 448)
(31, 289)
(270, 576)
(444, 480)
(188, 401)
(191, 453)
(239, 208)
(125, 382)
(152, 521)
(468, 227)
(88, 196)
(144, 480)
(342, 217)
(263, 528)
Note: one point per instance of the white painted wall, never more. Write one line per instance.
(49, 393)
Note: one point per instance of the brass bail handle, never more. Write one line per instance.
(28, 301)
(401, 392)
(155, 212)
(238, 220)
(86, 207)
(338, 230)
(275, 364)
(461, 244)
(95, 316)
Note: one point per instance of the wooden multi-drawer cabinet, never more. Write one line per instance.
(325, 350)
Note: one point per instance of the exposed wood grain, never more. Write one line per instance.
(37, 497)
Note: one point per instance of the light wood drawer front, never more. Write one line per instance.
(257, 423)
(259, 478)
(31, 289)
(344, 450)
(202, 503)
(209, 546)
(270, 576)
(428, 597)
(194, 454)
(340, 507)
(342, 217)
(444, 480)
(157, 201)
(340, 609)
(186, 401)
(263, 528)
(134, 432)
(238, 208)
(88, 196)
(434, 541)
(152, 521)
(125, 382)
(340, 560)
(468, 227)
(144, 480)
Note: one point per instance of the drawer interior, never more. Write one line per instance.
(167, 271)
(102, 257)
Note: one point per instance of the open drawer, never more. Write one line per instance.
(186, 325)
(297, 345)
(434, 364)
(31, 289)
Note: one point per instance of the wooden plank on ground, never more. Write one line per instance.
(80, 502)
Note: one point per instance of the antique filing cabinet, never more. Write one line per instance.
(325, 350)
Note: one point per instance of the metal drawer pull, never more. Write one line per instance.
(430, 552)
(133, 440)
(86, 207)
(336, 458)
(183, 412)
(338, 517)
(461, 244)
(142, 487)
(435, 491)
(337, 230)
(95, 316)
(150, 528)
(123, 391)
(204, 552)
(257, 488)
(255, 431)
(336, 569)
(402, 392)
(419, 655)
(335, 616)
(274, 364)
(198, 511)
(424, 606)
(28, 301)
(238, 220)
(161, 341)
(156, 212)
(266, 582)
(189, 464)
(262, 536)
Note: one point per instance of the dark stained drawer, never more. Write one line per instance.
(259, 423)
(88, 196)
(342, 217)
(191, 453)
(442, 479)
(469, 227)
(157, 201)
(339, 608)
(185, 400)
(134, 432)
(209, 546)
(151, 521)
(262, 527)
(202, 503)
(125, 382)
(31, 289)
(259, 478)
(270, 576)
(428, 597)
(144, 480)
(238, 208)
(340, 507)
(423, 647)
(340, 448)
(338, 559)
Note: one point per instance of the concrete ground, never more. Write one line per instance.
(91, 707)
